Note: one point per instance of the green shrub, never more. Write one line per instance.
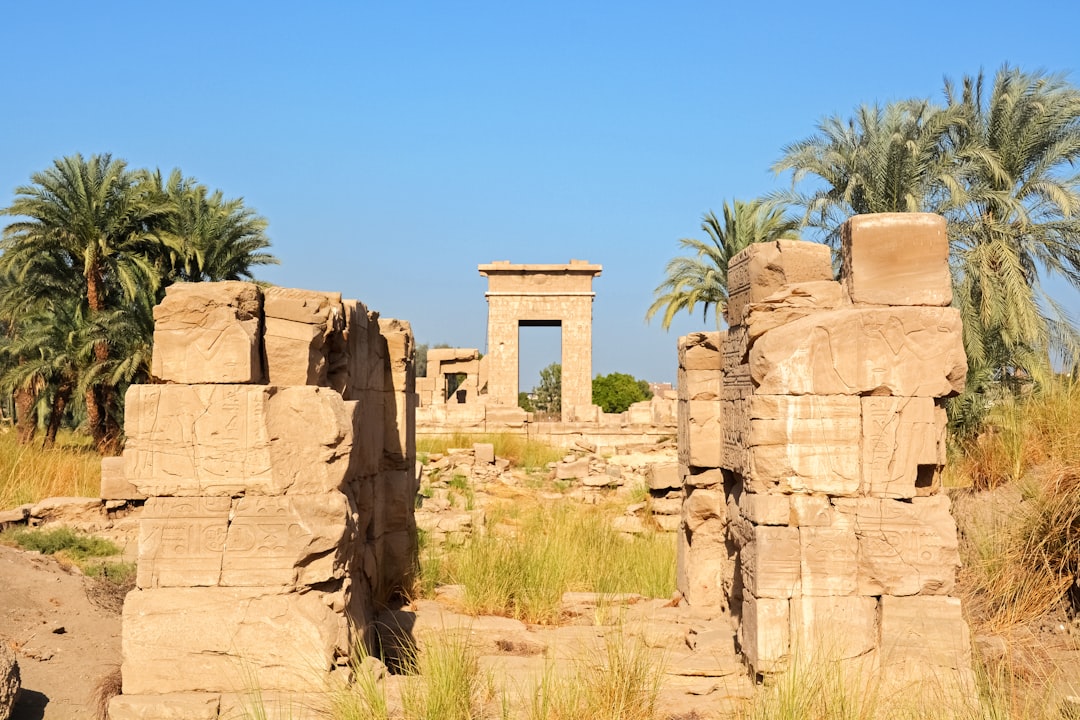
(61, 540)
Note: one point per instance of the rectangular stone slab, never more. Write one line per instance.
(223, 639)
(209, 333)
(834, 628)
(172, 706)
(204, 440)
(896, 259)
(765, 633)
(903, 446)
(805, 444)
(905, 548)
(763, 268)
(290, 541)
(909, 351)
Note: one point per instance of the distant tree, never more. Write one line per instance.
(420, 360)
(549, 391)
(525, 403)
(616, 392)
(701, 277)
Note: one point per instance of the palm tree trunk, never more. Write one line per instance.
(25, 417)
(97, 397)
(56, 415)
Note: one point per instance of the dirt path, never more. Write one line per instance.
(63, 641)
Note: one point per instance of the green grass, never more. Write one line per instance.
(91, 554)
(29, 473)
(522, 570)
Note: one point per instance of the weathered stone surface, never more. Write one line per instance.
(212, 632)
(811, 511)
(290, 541)
(905, 548)
(765, 508)
(705, 433)
(903, 441)
(833, 628)
(763, 268)
(805, 444)
(829, 560)
(770, 562)
(172, 706)
(303, 330)
(78, 513)
(924, 640)
(911, 351)
(484, 453)
(114, 485)
(664, 476)
(701, 505)
(896, 259)
(209, 333)
(792, 302)
(700, 351)
(765, 634)
(576, 470)
(9, 680)
(202, 440)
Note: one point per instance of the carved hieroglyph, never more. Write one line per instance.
(553, 295)
(832, 437)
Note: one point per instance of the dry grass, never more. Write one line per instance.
(29, 473)
(521, 451)
(521, 570)
(108, 686)
(1021, 555)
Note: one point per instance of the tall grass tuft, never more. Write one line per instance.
(523, 571)
(448, 684)
(1023, 559)
(29, 473)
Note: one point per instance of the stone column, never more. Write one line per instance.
(834, 438)
(276, 515)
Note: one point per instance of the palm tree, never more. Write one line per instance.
(1017, 221)
(885, 159)
(88, 218)
(209, 238)
(701, 277)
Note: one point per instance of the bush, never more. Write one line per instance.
(616, 392)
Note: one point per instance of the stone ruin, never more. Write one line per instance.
(276, 458)
(811, 440)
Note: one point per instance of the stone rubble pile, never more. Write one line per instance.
(277, 462)
(812, 436)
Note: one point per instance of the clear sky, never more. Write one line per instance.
(394, 146)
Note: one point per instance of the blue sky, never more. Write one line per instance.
(395, 146)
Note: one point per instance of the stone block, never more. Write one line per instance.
(700, 351)
(483, 453)
(765, 633)
(78, 513)
(217, 635)
(811, 511)
(805, 444)
(209, 333)
(826, 629)
(663, 476)
(705, 433)
(291, 541)
(908, 351)
(765, 508)
(763, 268)
(170, 706)
(704, 478)
(830, 560)
(791, 302)
(905, 548)
(896, 259)
(771, 562)
(702, 505)
(114, 486)
(576, 470)
(923, 633)
(204, 440)
(701, 384)
(903, 445)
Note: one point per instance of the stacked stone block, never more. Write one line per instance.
(277, 516)
(834, 438)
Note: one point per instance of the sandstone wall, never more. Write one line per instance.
(277, 458)
(822, 404)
